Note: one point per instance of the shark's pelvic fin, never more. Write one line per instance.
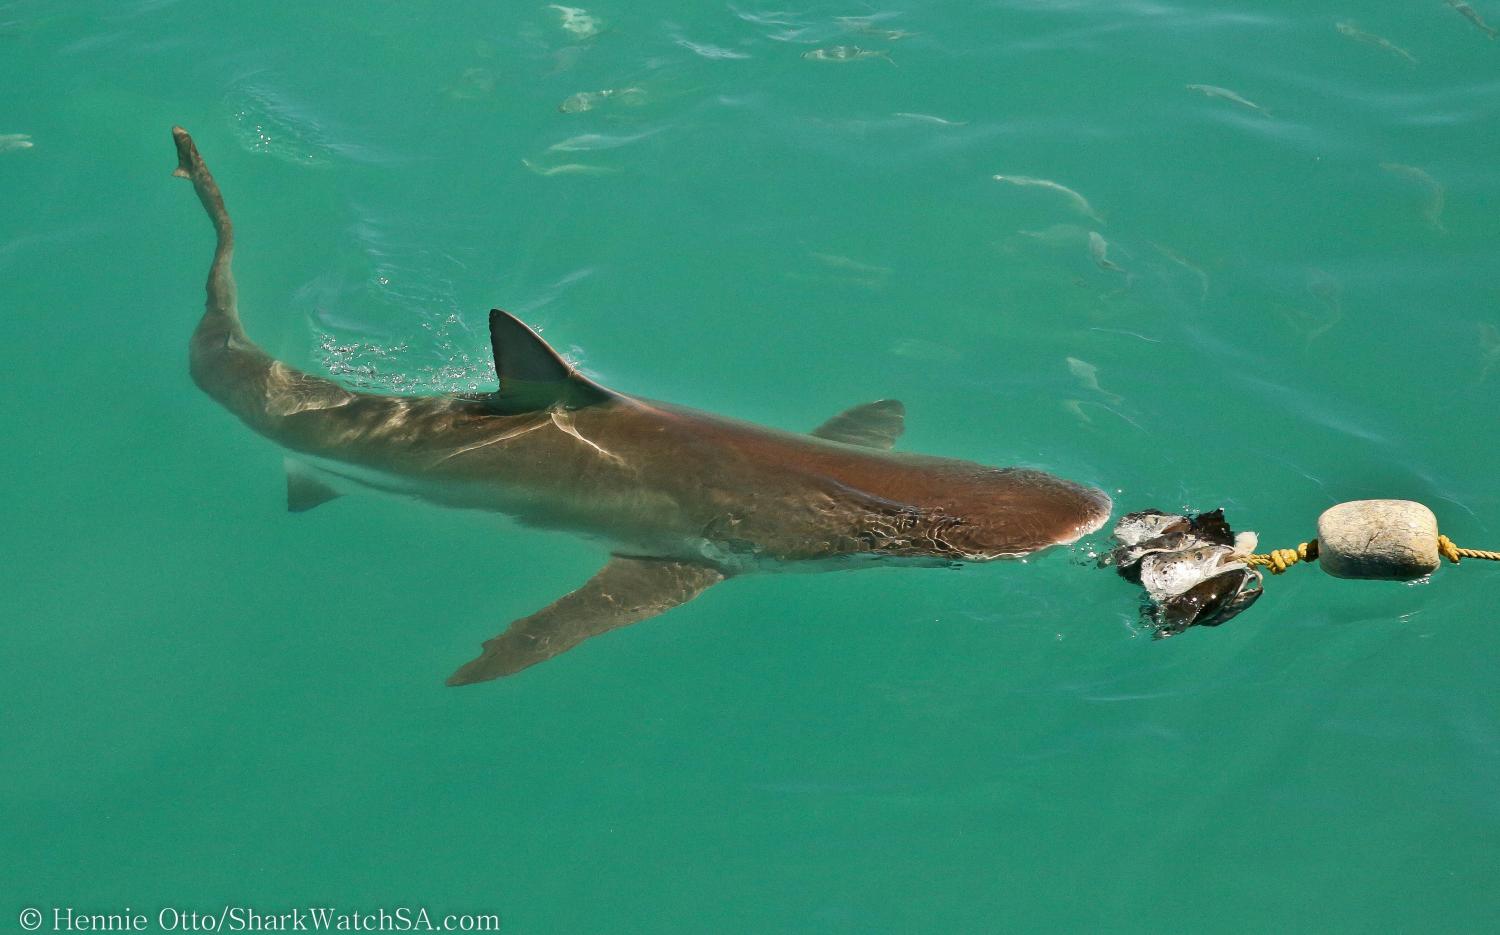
(625, 591)
(873, 425)
(532, 375)
(304, 490)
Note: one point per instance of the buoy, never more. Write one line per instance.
(1383, 539)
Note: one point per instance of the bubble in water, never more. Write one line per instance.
(266, 122)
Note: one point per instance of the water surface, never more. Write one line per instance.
(207, 700)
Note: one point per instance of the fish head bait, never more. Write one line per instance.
(1190, 568)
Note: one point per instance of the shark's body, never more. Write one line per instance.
(682, 498)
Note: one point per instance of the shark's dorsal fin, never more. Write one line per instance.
(304, 490)
(873, 425)
(532, 375)
(625, 591)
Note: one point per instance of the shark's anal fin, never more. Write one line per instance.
(873, 425)
(304, 490)
(625, 591)
(532, 375)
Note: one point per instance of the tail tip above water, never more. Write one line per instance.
(187, 154)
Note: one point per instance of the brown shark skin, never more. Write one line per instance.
(668, 481)
(653, 480)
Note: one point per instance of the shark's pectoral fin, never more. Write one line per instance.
(304, 490)
(532, 375)
(625, 591)
(873, 425)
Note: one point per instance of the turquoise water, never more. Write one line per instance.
(209, 702)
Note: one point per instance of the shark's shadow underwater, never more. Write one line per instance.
(684, 499)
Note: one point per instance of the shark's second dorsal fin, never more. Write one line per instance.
(532, 375)
(873, 425)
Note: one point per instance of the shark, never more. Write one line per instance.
(682, 499)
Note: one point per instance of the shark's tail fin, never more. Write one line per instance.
(270, 396)
(221, 288)
(226, 364)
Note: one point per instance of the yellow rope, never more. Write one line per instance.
(1453, 553)
(1279, 560)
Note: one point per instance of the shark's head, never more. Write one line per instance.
(1025, 511)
